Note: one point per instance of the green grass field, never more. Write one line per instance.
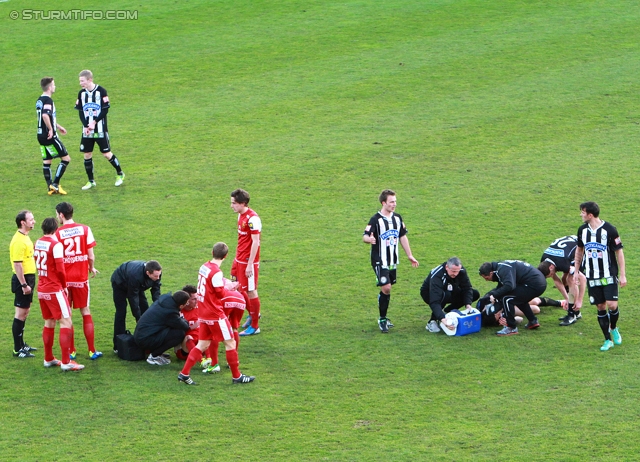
(492, 120)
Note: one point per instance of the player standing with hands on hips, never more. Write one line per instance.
(384, 232)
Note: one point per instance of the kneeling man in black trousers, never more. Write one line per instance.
(447, 284)
(518, 283)
(161, 327)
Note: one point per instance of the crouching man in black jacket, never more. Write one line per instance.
(129, 282)
(447, 284)
(161, 326)
(518, 283)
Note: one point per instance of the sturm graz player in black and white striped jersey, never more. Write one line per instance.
(50, 145)
(385, 232)
(93, 105)
(559, 258)
(600, 245)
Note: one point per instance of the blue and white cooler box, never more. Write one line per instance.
(465, 322)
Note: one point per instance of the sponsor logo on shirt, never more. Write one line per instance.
(71, 232)
(594, 246)
(554, 252)
(392, 233)
(204, 271)
(43, 245)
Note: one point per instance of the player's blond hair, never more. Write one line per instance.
(87, 74)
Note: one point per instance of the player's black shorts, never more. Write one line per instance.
(384, 276)
(52, 148)
(21, 300)
(599, 294)
(86, 144)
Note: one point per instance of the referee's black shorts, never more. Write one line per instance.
(21, 300)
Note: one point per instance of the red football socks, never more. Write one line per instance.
(195, 356)
(87, 325)
(48, 334)
(66, 336)
(254, 310)
(232, 360)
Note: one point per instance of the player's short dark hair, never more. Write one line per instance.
(49, 225)
(66, 209)
(87, 74)
(591, 207)
(385, 194)
(190, 289)
(152, 266)
(241, 196)
(545, 268)
(180, 297)
(21, 216)
(486, 268)
(45, 82)
(220, 250)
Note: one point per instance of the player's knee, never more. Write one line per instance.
(108, 155)
(21, 314)
(385, 289)
(230, 344)
(88, 155)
